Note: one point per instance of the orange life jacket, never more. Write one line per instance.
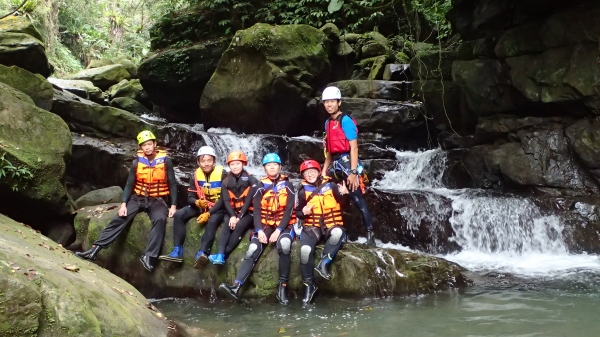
(151, 176)
(237, 202)
(273, 202)
(325, 207)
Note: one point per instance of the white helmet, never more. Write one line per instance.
(206, 150)
(331, 93)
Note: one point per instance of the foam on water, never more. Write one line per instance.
(496, 232)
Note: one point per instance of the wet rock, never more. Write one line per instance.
(33, 287)
(391, 90)
(34, 85)
(267, 70)
(584, 137)
(415, 219)
(88, 117)
(175, 78)
(331, 31)
(24, 51)
(343, 48)
(383, 116)
(102, 196)
(376, 168)
(474, 163)
(39, 142)
(131, 105)
(353, 272)
(83, 89)
(131, 89)
(521, 40)
(484, 47)
(101, 162)
(103, 77)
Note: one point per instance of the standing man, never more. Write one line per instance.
(341, 146)
(204, 202)
(274, 216)
(152, 181)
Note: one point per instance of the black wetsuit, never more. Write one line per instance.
(155, 207)
(256, 247)
(229, 239)
(182, 216)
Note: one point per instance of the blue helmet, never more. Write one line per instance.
(271, 158)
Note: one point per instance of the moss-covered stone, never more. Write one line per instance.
(331, 31)
(83, 89)
(39, 141)
(377, 68)
(433, 65)
(267, 70)
(34, 85)
(39, 297)
(131, 105)
(357, 271)
(103, 77)
(97, 63)
(86, 116)
(102, 196)
(24, 51)
(20, 24)
(131, 89)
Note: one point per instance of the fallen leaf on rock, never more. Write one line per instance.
(32, 271)
(151, 307)
(368, 308)
(158, 314)
(71, 267)
(18, 231)
(130, 293)
(28, 255)
(109, 208)
(16, 268)
(45, 238)
(45, 246)
(117, 281)
(119, 290)
(27, 274)
(281, 330)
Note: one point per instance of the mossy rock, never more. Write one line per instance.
(45, 290)
(331, 31)
(20, 24)
(267, 70)
(81, 88)
(377, 68)
(99, 197)
(356, 270)
(97, 63)
(86, 116)
(131, 89)
(131, 105)
(34, 85)
(433, 65)
(24, 51)
(40, 142)
(103, 77)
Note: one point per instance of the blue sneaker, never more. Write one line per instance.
(175, 256)
(218, 259)
(201, 259)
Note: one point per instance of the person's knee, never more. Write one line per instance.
(285, 245)
(305, 254)
(251, 250)
(336, 235)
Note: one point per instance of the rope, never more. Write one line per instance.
(13, 12)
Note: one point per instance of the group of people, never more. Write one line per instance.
(269, 206)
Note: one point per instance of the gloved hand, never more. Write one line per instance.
(202, 203)
(203, 218)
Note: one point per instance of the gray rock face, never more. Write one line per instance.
(103, 77)
(34, 85)
(24, 51)
(99, 197)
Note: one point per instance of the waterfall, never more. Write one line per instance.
(495, 231)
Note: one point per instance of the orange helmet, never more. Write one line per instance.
(237, 155)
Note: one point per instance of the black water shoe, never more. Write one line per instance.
(90, 254)
(147, 262)
(282, 293)
(321, 268)
(309, 291)
(232, 290)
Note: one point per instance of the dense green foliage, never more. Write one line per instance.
(15, 175)
(78, 31)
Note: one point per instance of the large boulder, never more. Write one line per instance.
(34, 85)
(584, 137)
(24, 51)
(265, 79)
(20, 24)
(83, 89)
(383, 116)
(86, 116)
(486, 86)
(131, 89)
(521, 40)
(47, 291)
(354, 272)
(433, 64)
(103, 77)
(131, 105)
(391, 90)
(441, 100)
(572, 27)
(39, 142)
(102, 196)
(175, 78)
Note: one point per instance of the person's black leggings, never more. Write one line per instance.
(310, 237)
(180, 219)
(210, 230)
(229, 239)
(157, 210)
(359, 201)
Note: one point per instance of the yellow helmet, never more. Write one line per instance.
(145, 136)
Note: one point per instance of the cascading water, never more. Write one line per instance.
(496, 232)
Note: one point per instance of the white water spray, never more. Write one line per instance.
(496, 232)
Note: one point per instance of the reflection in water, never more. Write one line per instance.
(563, 307)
